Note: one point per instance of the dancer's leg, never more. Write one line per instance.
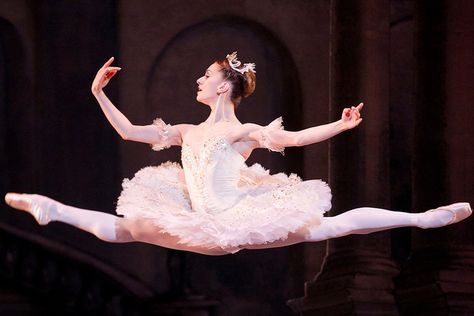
(105, 226)
(115, 229)
(145, 231)
(362, 220)
(367, 220)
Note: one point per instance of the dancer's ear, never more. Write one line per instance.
(223, 87)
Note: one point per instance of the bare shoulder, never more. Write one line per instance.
(246, 132)
(184, 128)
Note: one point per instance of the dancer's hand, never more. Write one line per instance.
(351, 116)
(103, 76)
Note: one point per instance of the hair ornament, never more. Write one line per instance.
(234, 64)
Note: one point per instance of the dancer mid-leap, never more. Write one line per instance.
(215, 204)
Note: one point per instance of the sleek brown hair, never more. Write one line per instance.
(243, 85)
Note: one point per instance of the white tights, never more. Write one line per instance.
(46, 210)
(366, 220)
(111, 228)
(102, 225)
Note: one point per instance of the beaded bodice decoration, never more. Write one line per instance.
(212, 175)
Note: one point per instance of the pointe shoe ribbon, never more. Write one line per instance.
(460, 211)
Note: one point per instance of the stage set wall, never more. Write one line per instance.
(409, 61)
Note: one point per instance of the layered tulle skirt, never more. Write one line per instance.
(269, 207)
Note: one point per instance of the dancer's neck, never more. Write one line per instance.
(222, 110)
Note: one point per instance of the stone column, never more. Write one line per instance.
(356, 277)
(439, 277)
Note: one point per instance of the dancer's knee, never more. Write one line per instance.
(135, 229)
(122, 231)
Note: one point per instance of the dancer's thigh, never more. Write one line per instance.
(293, 238)
(144, 230)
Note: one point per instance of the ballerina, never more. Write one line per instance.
(215, 204)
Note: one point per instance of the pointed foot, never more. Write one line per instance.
(18, 201)
(459, 211)
(39, 206)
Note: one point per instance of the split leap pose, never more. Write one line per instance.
(215, 204)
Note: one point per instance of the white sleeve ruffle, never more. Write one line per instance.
(267, 140)
(163, 131)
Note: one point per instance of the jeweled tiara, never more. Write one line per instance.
(234, 64)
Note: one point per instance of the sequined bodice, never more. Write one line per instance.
(212, 175)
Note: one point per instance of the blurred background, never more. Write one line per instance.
(409, 61)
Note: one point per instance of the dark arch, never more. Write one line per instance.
(192, 49)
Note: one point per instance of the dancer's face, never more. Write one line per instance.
(209, 84)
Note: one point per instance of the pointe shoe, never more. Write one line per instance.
(36, 205)
(460, 211)
(17, 201)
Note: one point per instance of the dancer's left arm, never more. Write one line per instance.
(159, 134)
(350, 118)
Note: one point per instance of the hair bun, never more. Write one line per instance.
(243, 84)
(249, 83)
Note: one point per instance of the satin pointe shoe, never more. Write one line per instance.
(460, 211)
(36, 205)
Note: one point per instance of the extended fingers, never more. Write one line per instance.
(356, 113)
(353, 113)
(108, 62)
(111, 69)
(355, 123)
(109, 72)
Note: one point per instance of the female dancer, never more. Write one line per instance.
(215, 204)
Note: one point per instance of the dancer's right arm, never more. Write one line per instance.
(147, 134)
